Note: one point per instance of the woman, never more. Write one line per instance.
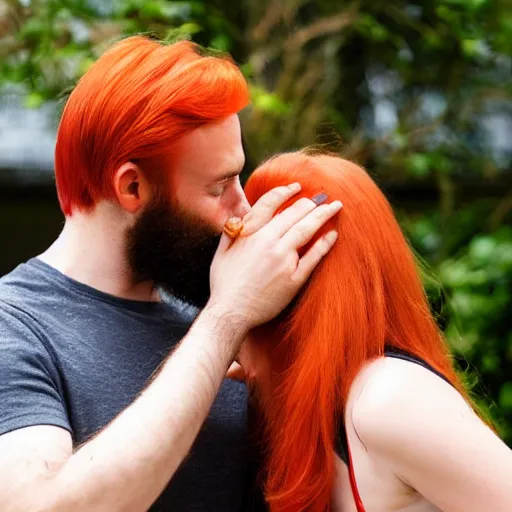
(360, 405)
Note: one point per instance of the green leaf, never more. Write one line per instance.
(481, 249)
(470, 5)
(473, 48)
(446, 13)
(32, 30)
(34, 100)
(221, 42)
(184, 31)
(418, 164)
(190, 28)
(268, 102)
(505, 399)
(247, 69)
(490, 363)
(433, 39)
(166, 11)
(400, 140)
(85, 64)
(463, 344)
(369, 26)
(177, 10)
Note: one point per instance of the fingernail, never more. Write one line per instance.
(294, 187)
(319, 198)
(336, 205)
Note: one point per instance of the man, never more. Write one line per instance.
(100, 401)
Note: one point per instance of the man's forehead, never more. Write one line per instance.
(226, 132)
(212, 150)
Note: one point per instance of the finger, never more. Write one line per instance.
(304, 230)
(294, 213)
(314, 256)
(236, 372)
(224, 243)
(266, 206)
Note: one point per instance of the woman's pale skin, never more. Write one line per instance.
(416, 445)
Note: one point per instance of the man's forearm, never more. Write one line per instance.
(127, 465)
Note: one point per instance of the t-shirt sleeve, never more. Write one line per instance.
(30, 388)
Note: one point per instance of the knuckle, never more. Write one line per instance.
(278, 253)
(276, 194)
(302, 206)
(288, 264)
(266, 237)
(283, 191)
(302, 233)
(305, 203)
(284, 261)
(266, 201)
(323, 246)
(293, 262)
(322, 211)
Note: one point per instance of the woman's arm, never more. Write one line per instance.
(342, 499)
(432, 439)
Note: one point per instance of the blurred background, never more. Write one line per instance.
(418, 92)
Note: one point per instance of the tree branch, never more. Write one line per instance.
(322, 27)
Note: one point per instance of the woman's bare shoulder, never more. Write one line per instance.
(391, 393)
(422, 429)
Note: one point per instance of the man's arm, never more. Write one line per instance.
(126, 466)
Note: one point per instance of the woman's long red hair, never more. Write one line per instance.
(131, 105)
(364, 295)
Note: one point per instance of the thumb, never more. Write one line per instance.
(224, 243)
(236, 372)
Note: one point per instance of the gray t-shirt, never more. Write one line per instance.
(75, 357)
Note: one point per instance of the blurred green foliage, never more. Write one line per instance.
(410, 89)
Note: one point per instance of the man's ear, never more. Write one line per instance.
(133, 190)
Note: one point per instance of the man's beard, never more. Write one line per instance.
(174, 250)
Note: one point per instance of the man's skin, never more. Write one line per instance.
(127, 465)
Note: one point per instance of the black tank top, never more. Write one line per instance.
(341, 440)
(256, 502)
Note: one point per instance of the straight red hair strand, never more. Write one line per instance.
(366, 294)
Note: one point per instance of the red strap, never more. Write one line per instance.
(353, 485)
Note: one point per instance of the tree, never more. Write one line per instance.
(418, 92)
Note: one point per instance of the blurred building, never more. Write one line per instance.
(30, 217)
(29, 213)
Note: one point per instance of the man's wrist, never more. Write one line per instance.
(224, 326)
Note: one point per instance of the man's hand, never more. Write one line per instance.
(253, 278)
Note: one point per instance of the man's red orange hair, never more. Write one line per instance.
(131, 105)
(364, 295)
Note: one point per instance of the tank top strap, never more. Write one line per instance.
(342, 445)
(353, 484)
(406, 356)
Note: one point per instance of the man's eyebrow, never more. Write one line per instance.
(228, 175)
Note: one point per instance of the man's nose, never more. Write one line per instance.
(243, 205)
